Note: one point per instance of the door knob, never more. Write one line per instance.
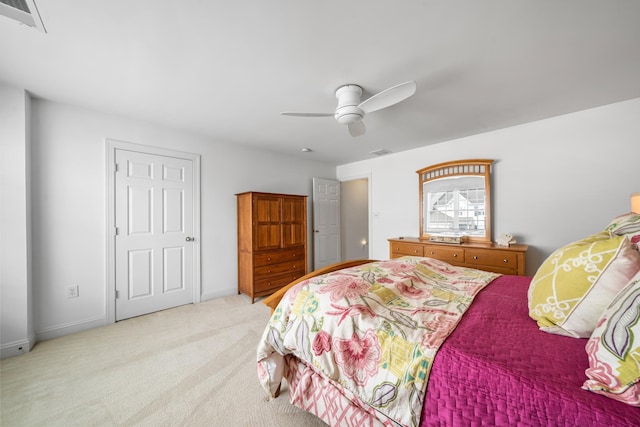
(190, 239)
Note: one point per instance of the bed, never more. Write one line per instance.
(493, 365)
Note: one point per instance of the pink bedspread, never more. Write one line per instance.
(498, 369)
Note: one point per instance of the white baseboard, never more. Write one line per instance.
(219, 293)
(70, 328)
(17, 348)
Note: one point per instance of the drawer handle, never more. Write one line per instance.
(294, 255)
(455, 255)
(268, 258)
(475, 257)
(415, 251)
(432, 253)
(505, 261)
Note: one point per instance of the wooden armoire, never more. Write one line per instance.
(272, 241)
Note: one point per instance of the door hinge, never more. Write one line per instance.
(117, 294)
(115, 231)
(115, 167)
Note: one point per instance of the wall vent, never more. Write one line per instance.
(23, 11)
(380, 152)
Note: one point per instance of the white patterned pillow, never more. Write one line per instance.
(626, 225)
(614, 348)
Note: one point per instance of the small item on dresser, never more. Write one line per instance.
(455, 239)
(505, 239)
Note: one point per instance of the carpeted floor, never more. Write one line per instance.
(193, 365)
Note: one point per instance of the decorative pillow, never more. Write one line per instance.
(627, 224)
(614, 348)
(574, 286)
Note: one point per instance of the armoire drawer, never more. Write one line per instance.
(273, 283)
(283, 267)
(276, 257)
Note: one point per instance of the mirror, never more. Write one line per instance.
(455, 200)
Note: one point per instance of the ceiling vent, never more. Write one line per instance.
(23, 11)
(380, 152)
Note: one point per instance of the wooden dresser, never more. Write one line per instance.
(483, 256)
(272, 241)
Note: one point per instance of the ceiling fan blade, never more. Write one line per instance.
(357, 128)
(388, 97)
(288, 113)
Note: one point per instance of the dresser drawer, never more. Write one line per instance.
(274, 283)
(402, 249)
(283, 267)
(501, 259)
(276, 257)
(453, 254)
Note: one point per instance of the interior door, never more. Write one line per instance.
(154, 239)
(326, 222)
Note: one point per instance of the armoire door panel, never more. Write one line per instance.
(267, 236)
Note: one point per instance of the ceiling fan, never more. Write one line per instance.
(350, 110)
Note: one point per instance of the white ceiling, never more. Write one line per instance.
(226, 69)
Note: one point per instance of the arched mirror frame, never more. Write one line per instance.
(453, 169)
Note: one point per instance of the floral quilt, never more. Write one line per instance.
(372, 330)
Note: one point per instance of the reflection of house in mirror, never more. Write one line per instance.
(457, 209)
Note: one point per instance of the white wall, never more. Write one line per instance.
(69, 206)
(554, 181)
(16, 325)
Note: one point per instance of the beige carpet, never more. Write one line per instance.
(190, 366)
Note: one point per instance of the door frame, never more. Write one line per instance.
(111, 145)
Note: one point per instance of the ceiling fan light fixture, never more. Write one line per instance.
(348, 115)
(348, 99)
(351, 110)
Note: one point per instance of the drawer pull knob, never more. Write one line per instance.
(432, 252)
(268, 258)
(475, 257)
(455, 255)
(415, 251)
(505, 261)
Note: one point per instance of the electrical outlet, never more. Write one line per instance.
(73, 291)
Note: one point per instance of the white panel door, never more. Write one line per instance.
(154, 240)
(326, 222)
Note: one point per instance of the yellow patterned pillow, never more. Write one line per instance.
(574, 286)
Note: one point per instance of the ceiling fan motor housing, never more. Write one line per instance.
(348, 101)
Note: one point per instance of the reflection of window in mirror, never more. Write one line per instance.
(455, 200)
